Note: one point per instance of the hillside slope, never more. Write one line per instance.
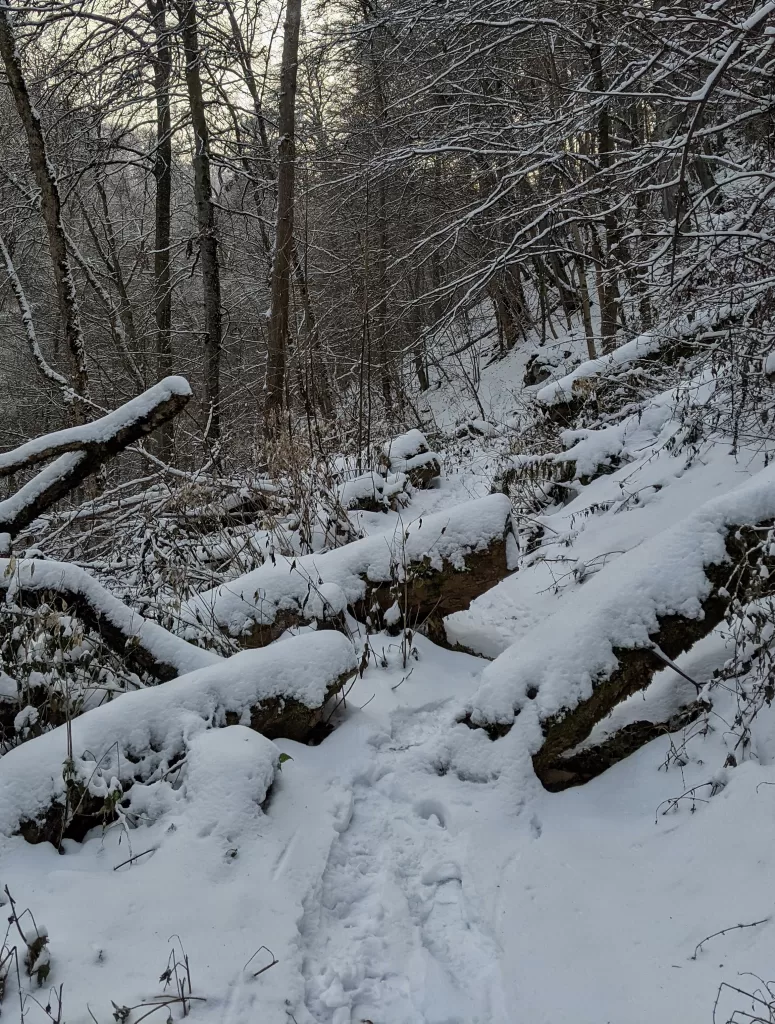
(412, 870)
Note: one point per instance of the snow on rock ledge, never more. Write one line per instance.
(583, 660)
(445, 560)
(279, 691)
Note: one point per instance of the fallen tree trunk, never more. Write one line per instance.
(662, 597)
(143, 644)
(562, 399)
(53, 787)
(579, 766)
(80, 451)
(415, 576)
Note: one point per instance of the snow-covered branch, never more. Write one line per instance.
(80, 451)
(141, 642)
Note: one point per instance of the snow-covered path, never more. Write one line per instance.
(411, 871)
(391, 932)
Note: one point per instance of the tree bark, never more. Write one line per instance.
(51, 208)
(208, 239)
(283, 254)
(609, 290)
(162, 172)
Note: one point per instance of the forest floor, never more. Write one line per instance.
(409, 870)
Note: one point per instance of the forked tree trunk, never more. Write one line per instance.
(50, 203)
(208, 240)
(283, 250)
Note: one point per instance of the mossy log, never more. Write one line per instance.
(579, 766)
(567, 729)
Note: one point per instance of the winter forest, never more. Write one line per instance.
(387, 511)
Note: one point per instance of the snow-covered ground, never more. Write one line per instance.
(409, 870)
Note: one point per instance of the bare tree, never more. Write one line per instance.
(205, 209)
(283, 254)
(50, 203)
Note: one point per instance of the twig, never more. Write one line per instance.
(671, 664)
(166, 1002)
(137, 856)
(402, 680)
(269, 951)
(733, 927)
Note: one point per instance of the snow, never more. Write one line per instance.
(317, 586)
(416, 462)
(7, 686)
(405, 446)
(409, 870)
(561, 390)
(27, 494)
(370, 487)
(228, 775)
(28, 574)
(146, 730)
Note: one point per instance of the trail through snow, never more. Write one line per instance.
(391, 932)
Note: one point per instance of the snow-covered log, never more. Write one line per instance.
(142, 643)
(80, 451)
(120, 750)
(667, 346)
(373, 492)
(417, 573)
(592, 759)
(667, 593)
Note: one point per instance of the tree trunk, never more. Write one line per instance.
(609, 290)
(208, 240)
(321, 384)
(46, 180)
(283, 254)
(586, 311)
(162, 172)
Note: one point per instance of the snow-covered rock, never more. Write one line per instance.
(410, 455)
